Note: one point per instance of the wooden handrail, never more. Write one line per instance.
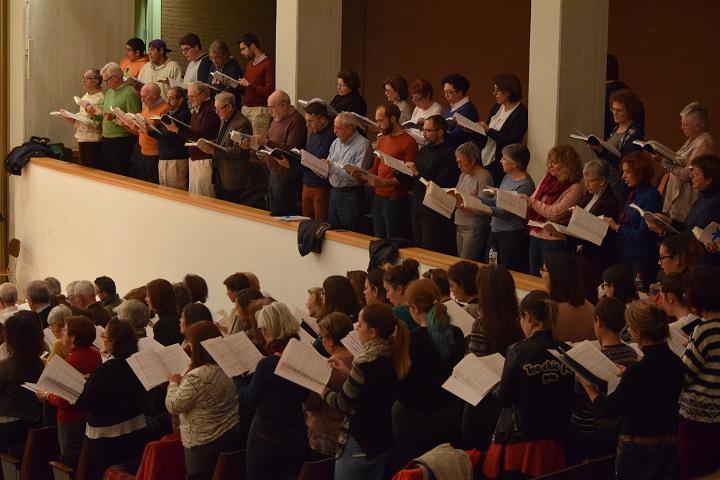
(426, 257)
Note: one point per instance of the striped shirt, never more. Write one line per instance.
(700, 398)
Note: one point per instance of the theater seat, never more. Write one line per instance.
(41, 447)
(581, 471)
(230, 466)
(320, 470)
(63, 472)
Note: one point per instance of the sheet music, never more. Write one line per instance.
(587, 226)
(587, 138)
(460, 317)
(711, 233)
(511, 202)
(320, 167)
(351, 341)
(465, 122)
(305, 103)
(300, 363)
(225, 79)
(394, 163)
(235, 354)
(437, 199)
(474, 377)
(152, 367)
(212, 144)
(178, 122)
(474, 203)
(175, 359)
(61, 379)
(140, 120)
(590, 357)
(304, 317)
(238, 137)
(365, 122)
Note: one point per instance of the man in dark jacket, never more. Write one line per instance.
(173, 164)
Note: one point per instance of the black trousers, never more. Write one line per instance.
(90, 154)
(116, 153)
(432, 231)
(148, 168)
(512, 248)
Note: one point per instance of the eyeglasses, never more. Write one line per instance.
(664, 257)
(448, 93)
(431, 129)
(185, 49)
(604, 285)
(87, 78)
(220, 109)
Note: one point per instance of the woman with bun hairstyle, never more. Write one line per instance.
(396, 280)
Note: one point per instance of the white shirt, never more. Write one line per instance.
(160, 74)
(7, 312)
(459, 103)
(496, 123)
(192, 69)
(419, 113)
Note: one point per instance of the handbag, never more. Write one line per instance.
(509, 426)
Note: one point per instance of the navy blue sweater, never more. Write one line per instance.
(637, 240)
(319, 145)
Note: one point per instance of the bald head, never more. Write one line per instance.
(279, 105)
(150, 93)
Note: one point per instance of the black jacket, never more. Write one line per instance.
(170, 145)
(512, 131)
(167, 329)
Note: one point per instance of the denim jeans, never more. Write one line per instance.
(390, 217)
(70, 439)
(353, 464)
(471, 241)
(345, 209)
(636, 461)
(539, 248)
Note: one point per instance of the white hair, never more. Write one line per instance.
(84, 288)
(134, 312)
(225, 98)
(112, 68)
(58, 315)
(8, 293)
(278, 320)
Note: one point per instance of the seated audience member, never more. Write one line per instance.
(204, 123)
(8, 301)
(314, 302)
(533, 423)
(435, 162)
(257, 84)
(287, 131)
(559, 189)
(508, 232)
(106, 291)
(161, 300)
(192, 314)
(159, 69)
(421, 94)
(56, 321)
(591, 434)
(368, 394)
(455, 89)
(207, 402)
(172, 152)
(425, 415)
(114, 400)
(346, 193)
(152, 106)
(395, 280)
(254, 280)
(70, 298)
(38, 299)
(198, 287)
(87, 304)
(137, 314)
(339, 296)
(679, 253)
(390, 204)
(374, 291)
(137, 293)
(323, 422)
(88, 132)
(77, 337)
(277, 442)
(396, 91)
(561, 276)
(473, 226)
(223, 62)
(135, 57)
(639, 243)
(629, 114)
(674, 303)
(183, 296)
(234, 284)
(599, 200)
(357, 280)
(19, 408)
(506, 124)
(441, 280)
(348, 98)
(618, 281)
(699, 425)
(245, 320)
(56, 296)
(199, 63)
(315, 198)
(648, 397)
(117, 144)
(679, 194)
(463, 284)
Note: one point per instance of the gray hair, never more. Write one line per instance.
(84, 288)
(200, 87)
(225, 98)
(134, 312)
(70, 289)
(53, 285)
(58, 315)
(8, 293)
(597, 168)
(470, 151)
(111, 68)
(38, 292)
(277, 319)
(96, 75)
(698, 111)
(346, 118)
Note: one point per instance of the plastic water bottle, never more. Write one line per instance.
(492, 256)
(639, 285)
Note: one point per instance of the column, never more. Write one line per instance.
(568, 49)
(307, 45)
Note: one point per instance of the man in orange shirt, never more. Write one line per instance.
(390, 206)
(153, 105)
(134, 59)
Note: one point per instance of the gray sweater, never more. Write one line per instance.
(502, 220)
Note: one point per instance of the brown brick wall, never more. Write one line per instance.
(218, 20)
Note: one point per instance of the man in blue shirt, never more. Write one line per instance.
(316, 190)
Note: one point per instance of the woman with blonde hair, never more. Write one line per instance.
(366, 435)
(425, 415)
(559, 189)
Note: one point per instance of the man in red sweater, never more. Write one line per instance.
(257, 84)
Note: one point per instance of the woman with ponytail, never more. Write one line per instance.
(425, 415)
(396, 280)
(535, 393)
(366, 399)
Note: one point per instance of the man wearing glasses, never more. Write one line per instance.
(199, 62)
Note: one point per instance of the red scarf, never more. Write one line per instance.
(548, 192)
